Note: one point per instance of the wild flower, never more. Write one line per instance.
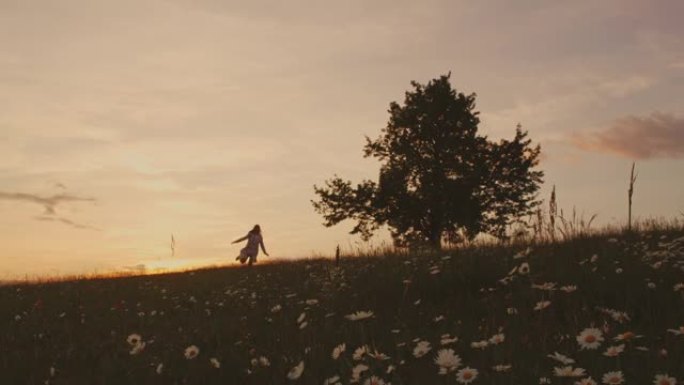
(614, 351)
(664, 379)
(215, 363)
(359, 315)
(303, 325)
(334, 380)
(466, 375)
(378, 356)
(311, 302)
(497, 339)
(502, 367)
(677, 332)
(568, 371)
(586, 381)
(137, 348)
(338, 350)
(276, 308)
(547, 286)
(479, 344)
(356, 372)
(541, 305)
(613, 378)
(421, 349)
(524, 268)
(590, 338)
(568, 288)
(446, 339)
(263, 361)
(191, 352)
(160, 368)
(374, 380)
(626, 336)
(301, 318)
(447, 360)
(561, 358)
(296, 371)
(134, 339)
(678, 287)
(360, 352)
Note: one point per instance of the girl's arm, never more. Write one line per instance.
(240, 240)
(263, 248)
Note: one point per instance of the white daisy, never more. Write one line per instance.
(191, 352)
(466, 375)
(359, 315)
(447, 361)
(296, 371)
(590, 338)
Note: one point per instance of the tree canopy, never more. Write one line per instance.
(439, 178)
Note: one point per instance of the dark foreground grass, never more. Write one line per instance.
(259, 323)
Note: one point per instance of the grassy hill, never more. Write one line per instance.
(423, 319)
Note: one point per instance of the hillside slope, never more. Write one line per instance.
(611, 307)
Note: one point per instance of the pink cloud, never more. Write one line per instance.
(659, 135)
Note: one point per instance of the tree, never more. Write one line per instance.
(438, 178)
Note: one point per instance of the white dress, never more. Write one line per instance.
(252, 249)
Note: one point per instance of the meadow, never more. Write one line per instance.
(603, 308)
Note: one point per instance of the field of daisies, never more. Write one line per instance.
(599, 310)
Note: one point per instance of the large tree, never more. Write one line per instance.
(439, 179)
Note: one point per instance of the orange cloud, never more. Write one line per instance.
(659, 135)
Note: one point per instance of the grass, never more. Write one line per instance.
(75, 332)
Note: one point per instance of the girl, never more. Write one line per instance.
(254, 240)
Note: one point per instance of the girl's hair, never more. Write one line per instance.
(255, 230)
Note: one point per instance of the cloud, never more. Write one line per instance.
(67, 222)
(659, 135)
(49, 203)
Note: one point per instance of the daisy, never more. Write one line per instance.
(191, 352)
(524, 268)
(568, 371)
(139, 347)
(677, 332)
(311, 302)
(542, 305)
(296, 371)
(134, 339)
(276, 308)
(374, 380)
(334, 380)
(466, 375)
(511, 311)
(359, 315)
(339, 349)
(613, 378)
(664, 379)
(446, 339)
(303, 325)
(586, 381)
(590, 338)
(263, 361)
(614, 351)
(568, 288)
(626, 336)
(479, 344)
(215, 363)
(360, 352)
(378, 356)
(447, 361)
(421, 349)
(356, 372)
(678, 287)
(497, 339)
(502, 367)
(561, 358)
(301, 318)
(160, 368)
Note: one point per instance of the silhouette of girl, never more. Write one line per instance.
(249, 252)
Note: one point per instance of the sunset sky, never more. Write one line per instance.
(123, 122)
